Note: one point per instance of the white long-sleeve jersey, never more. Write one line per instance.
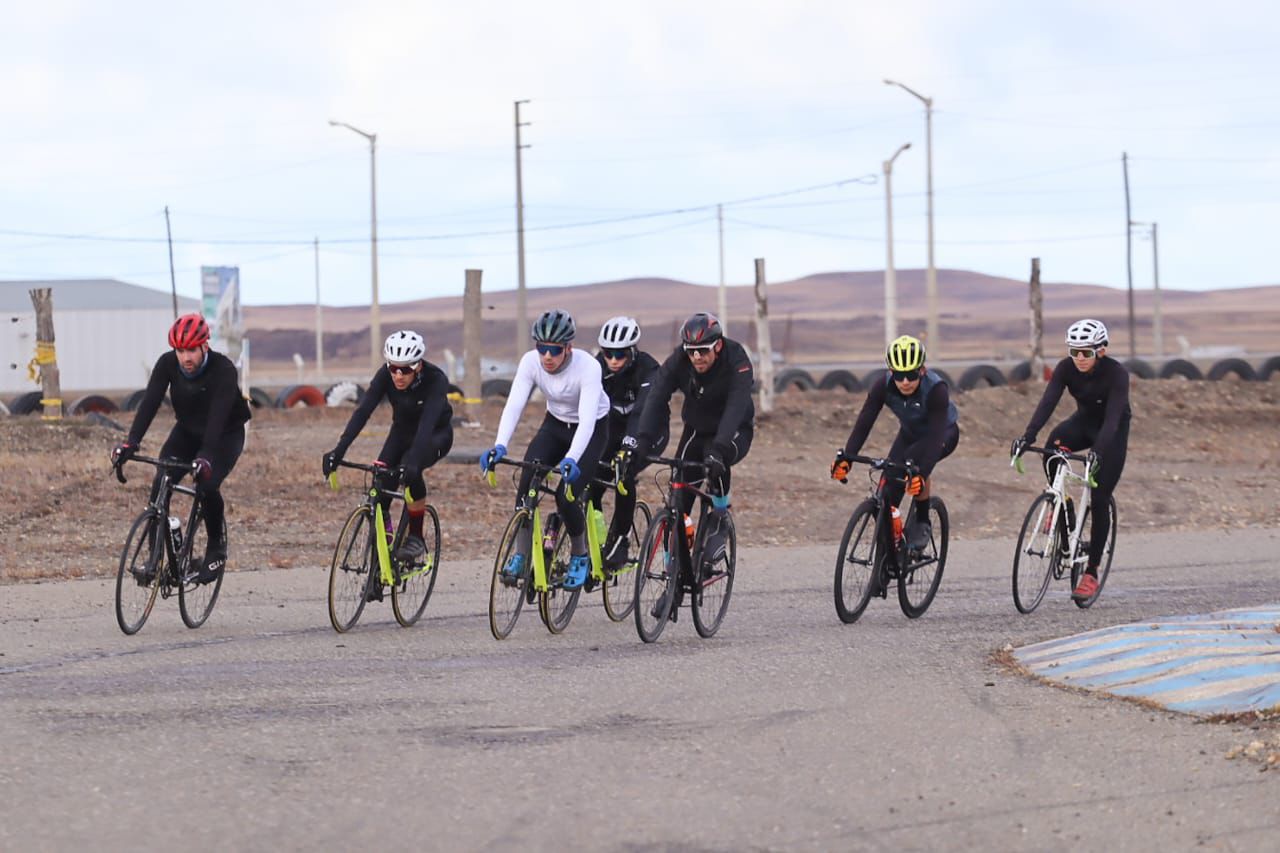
(574, 395)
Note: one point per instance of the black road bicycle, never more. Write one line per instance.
(872, 553)
(162, 556)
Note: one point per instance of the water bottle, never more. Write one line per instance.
(597, 519)
(688, 530)
(897, 526)
(175, 533)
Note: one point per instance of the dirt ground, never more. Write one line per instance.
(1201, 455)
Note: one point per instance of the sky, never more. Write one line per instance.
(642, 118)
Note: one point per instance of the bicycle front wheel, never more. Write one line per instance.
(351, 572)
(1037, 554)
(857, 562)
(413, 588)
(196, 600)
(918, 584)
(557, 604)
(138, 578)
(507, 590)
(715, 585)
(657, 577)
(1104, 565)
(620, 586)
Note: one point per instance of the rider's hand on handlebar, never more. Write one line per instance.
(329, 462)
(1019, 446)
(1092, 462)
(201, 469)
(915, 484)
(122, 453)
(568, 469)
(840, 467)
(490, 457)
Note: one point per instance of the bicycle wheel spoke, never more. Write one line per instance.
(856, 563)
(557, 604)
(349, 573)
(507, 592)
(711, 600)
(409, 596)
(620, 584)
(1037, 555)
(655, 578)
(196, 599)
(138, 577)
(918, 585)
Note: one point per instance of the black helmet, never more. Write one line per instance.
(553, 327)
(700, 330)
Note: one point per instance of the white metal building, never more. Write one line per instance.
(108, 333)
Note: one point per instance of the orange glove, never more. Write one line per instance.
(840, 469)
(915, 485)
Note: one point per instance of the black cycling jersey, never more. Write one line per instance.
(925, 417)
(1102, 400)
(627, 390)
(208, 405)
(716, 403)
(423, 407)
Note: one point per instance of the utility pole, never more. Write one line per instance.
(722, 304)
(173, 281)
(522, 309)
(932, 340)
(319, 320)
(1037, 324)
(1128, 246)
(1157, 324)
(763, 344)
(890, 275)
(375, 310)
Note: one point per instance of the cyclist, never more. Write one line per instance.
(627, 375)
(715, 375)
(421, 431)
(928, 429)
(211, 412)
(1100, 386)
(574, 431)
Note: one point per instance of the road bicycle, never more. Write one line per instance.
(617, 584)
(162, 556)
(366, 561)
(1051, 544)
(873, 551)
(671, 559)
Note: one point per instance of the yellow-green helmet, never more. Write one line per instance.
(905, 353)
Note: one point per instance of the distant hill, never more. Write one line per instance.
(832, 316)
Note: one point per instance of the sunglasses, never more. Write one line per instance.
(905, 375)
(550, 349)
(703, 350)
(1082, 352)
(402, 369)
(616, 353)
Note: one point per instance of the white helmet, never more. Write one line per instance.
(404, 347)
(1087, 333)
(619, 332)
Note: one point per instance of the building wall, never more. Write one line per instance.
(98, 350)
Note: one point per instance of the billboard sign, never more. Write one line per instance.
(220, 305)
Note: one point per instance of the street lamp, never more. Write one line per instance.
(375, 322)
(890, 283)
(931, 275)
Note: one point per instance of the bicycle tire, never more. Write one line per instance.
(134, 602)
(507, 597)
(1038, 544)
(917, 586)
(711, 599)
(656, 584)
(619, 588)
(1104, 568)
(195, 601)
(351, 571)
(556, 604)
(857, 562)
(409, 596)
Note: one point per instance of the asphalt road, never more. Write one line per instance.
(266, 730)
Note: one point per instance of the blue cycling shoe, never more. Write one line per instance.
(579, 568)
(513, 570)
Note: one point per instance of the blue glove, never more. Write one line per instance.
(568, 468)
(490, 458)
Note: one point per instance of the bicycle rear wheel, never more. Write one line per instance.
(711, 599)
(409, 595)
(857, 563)
(619, 585)
(657, 577)
(507, 592)
(1104, 566)
(919, 583)
(1037, 554)
(350, 574)
(557, 604)
(138, 578)
(196, 600)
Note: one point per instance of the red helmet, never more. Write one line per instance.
(188, 332)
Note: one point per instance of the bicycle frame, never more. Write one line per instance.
(159, 506)
(890, 545)
(381, 547)
(530, 502)
(671, 508)
(1063, 477)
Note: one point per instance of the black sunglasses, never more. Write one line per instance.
(1082, 352)
(401, 368)
(616, 353)
(905, 375)
(549, 349)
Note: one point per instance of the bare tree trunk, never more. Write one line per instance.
(471, 308)
(1037, 324)
(762, 340)
(46, 360)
